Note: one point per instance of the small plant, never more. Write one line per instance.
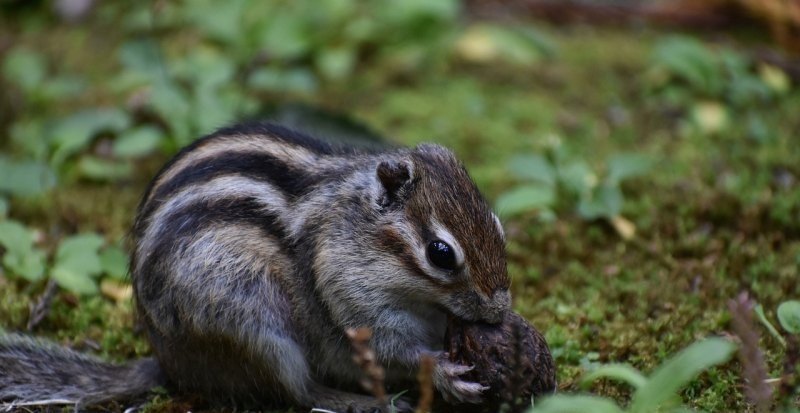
(657, 393)
(788, 314)
(76, 265)
(558, 180)
(708, 84)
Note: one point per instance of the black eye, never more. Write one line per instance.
(442, 255)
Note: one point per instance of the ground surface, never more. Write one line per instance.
(717, 214)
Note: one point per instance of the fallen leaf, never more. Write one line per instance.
(116, 290)
(626, 229)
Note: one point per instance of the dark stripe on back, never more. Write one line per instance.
(181, 225)
(258, 166)
(198, 215)
(254, 130)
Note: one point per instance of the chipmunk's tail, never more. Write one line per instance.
(35, 372)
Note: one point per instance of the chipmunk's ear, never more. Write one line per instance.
(396, 178)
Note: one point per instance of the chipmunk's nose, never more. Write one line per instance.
(496, 306)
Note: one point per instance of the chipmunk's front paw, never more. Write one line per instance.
(446, 378)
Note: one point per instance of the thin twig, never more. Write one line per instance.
(425, 379)
(39, 310)
(758, 392)
(366, 360)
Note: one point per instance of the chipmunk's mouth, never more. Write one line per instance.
(471, 307)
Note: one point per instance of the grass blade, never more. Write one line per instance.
(678, 371)
(618, 372)
(563, 403)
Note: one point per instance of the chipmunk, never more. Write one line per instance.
(257, 247)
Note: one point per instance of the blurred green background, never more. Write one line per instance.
(646, 165)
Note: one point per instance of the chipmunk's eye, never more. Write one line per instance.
(442, 255)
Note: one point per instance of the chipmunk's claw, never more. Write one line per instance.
(451, 386)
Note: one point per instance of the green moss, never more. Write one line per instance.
(718, 215)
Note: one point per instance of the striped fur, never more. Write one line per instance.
(256, 247)
(39, 372)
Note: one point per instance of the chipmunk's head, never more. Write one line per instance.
(445, 234)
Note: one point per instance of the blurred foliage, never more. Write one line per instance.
(643, 177)
(656, 393)
(560, 181)
(237, 55)
(789, 316)
(707, 85)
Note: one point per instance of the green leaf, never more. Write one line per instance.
(99, 169)
(210, 111)
(25, 68)
(20, 255)
(77, 263)
(289, 36)
(604, 202)
(759, 310)
(525, 198)
(137, 142)
(336, 63)
(79, 244)
(114, 262)
(25, 178)
(61, 88)
(74, 280)
(74, 133)
(27, 135)
(28, 264)
(15, 237)
(563, 403)
(410, 13)
(627, 165)
(577, 177)
(513, 45)
(141, 56)
(789, 316)
(3, 208)
(690, 61)
(205, 68)
(278, 80)
(678, 371)
(619, 372)
(172, 106)
(533, 167)
(221, 21)
(78, 254)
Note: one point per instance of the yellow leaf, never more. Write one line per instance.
(477, 45)
(115, 290)
(710, 117)
(626, 229)
(775, 78)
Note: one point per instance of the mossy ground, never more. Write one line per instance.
(712, 219)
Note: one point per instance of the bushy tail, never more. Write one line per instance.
(34, 371)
